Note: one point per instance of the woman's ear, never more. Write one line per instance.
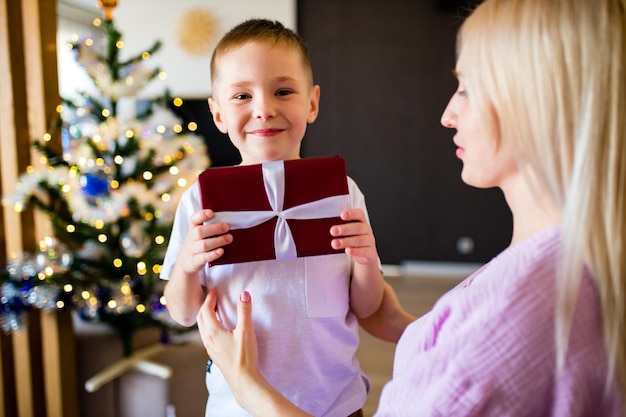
(217, 115)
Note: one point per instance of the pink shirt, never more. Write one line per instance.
(487, 348)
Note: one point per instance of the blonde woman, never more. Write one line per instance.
(540, 112)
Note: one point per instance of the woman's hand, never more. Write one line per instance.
(235, 353)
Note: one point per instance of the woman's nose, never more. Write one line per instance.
(447, 118)
(446, 121)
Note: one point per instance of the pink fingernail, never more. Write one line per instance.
(245, 297)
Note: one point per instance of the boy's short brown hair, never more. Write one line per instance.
(261, 30)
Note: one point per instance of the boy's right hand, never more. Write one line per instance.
(204, 242)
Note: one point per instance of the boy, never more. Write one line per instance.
(306, 321)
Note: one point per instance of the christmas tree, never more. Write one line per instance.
(110, 197)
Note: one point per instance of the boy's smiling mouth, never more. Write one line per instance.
(266, 132)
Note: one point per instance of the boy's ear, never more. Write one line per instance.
(314, 104)
(217, 115)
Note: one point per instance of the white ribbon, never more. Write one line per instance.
(274, 180)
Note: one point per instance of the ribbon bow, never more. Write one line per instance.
(274, 181)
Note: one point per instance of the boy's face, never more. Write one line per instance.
(263, 99)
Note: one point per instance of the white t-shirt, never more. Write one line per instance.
(307, 335)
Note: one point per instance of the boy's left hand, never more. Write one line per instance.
(355, 237)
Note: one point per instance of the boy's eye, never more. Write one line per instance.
(283, 92)
(242, 96)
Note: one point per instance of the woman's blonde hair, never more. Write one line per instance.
(554, 74)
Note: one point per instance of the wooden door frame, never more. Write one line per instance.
(37, 364)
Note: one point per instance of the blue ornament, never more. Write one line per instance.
(95, 185)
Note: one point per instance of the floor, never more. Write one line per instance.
(417, 294)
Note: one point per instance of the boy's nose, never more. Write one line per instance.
(264, 109)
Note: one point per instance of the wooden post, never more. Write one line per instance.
(38, 367)
(8, 397)
(15, 157)
(59, 362)
(28, 368)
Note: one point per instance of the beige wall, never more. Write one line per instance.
(142, 22)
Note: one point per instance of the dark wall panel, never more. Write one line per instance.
(385, 71)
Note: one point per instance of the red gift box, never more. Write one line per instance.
(277, 210)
